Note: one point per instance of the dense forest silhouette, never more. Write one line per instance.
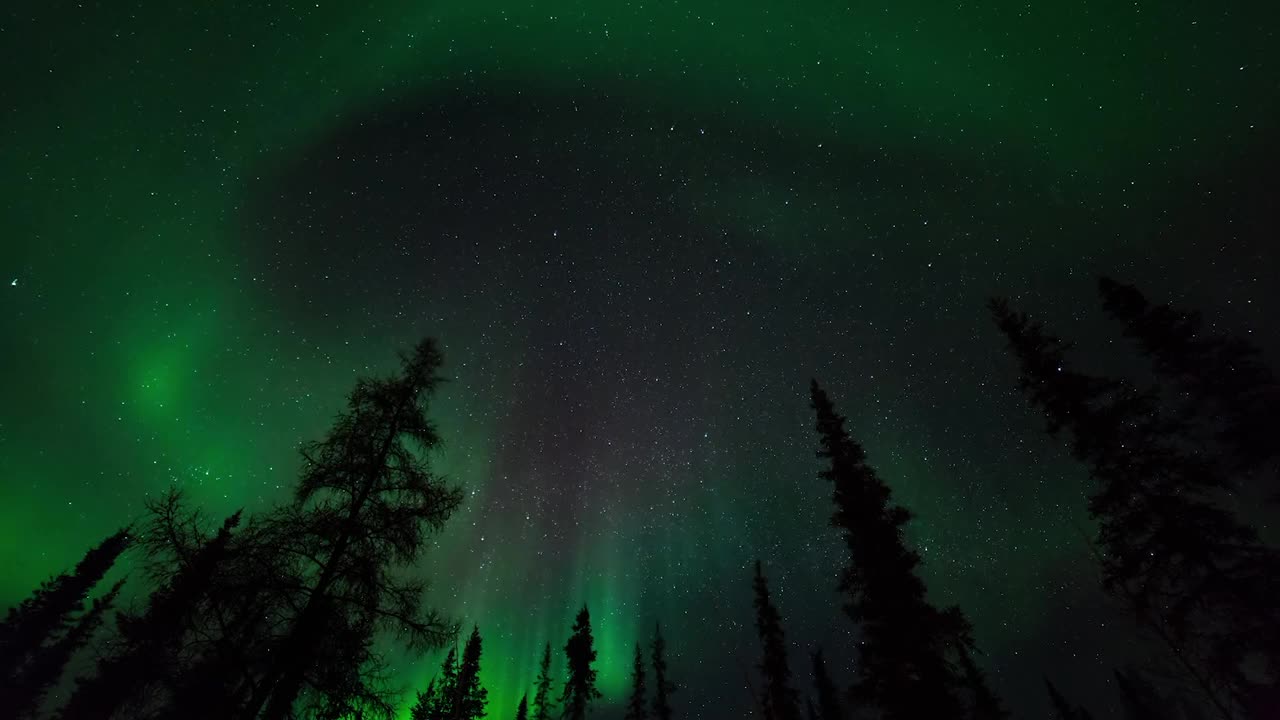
(279, 614)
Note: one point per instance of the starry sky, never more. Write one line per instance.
(638, 229)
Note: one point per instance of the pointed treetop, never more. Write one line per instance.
(778, 697)
(663, 687)
(906, 665)
(47, 613)
(580, 684)
(543, 702)
(636, 704)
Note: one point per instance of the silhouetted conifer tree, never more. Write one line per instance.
(470, 697)
(246, 601)
(522, 710)
(543, 702)
(983, 703)
(1221, 381)
(340, 690)
(580, 682)
(426, 701)
(364, 506)
(637, 706)
(1064, 710)
(829, 706)
(662, 685)
(439, 702)
(447, 688)
(148, 645)
(47, 614)
(908, 654)
(50, 661)
(778, 697)
(1200, 580)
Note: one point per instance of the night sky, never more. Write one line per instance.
(637, 229)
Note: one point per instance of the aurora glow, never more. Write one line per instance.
(638, 229)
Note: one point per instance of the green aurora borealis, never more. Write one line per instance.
(638, 229)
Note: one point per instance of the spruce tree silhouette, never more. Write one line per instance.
(662, 685)
(543, 703)
(637, 705)
(1062, 708)
(47, 614)
(580, 682)
(439, 701)
(358, 687)
(909, 651)
(983, 703)
(365, 504)
(424, 705)
(522, 710)
(51, 660)
(470, 697)
(829, 706)
(147, 646)
(246, 602)
(778, 697)
(1221, 381)
(1187, 569)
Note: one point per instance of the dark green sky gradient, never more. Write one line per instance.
(638, 231)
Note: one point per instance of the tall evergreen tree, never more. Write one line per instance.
(580, 682)
(443, 705)
(338, 690)
(543, 702)
(829, 706)
(470, 697)
(1062, 708)
(983, 703)
(522, 710)
(1220, 380)
(244, 603)
(778, 697)
(908, 654)
(148, 644)
(662, 685)
(637, 704)
(364, 506)
(1188, 570)
(48, 613)
(425, 703)
(51, 660)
